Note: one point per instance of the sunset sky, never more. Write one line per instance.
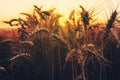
(12, 8)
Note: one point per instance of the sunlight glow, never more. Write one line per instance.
(12, 8)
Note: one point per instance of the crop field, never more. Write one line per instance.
(42, 48)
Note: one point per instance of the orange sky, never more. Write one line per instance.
(12, 8)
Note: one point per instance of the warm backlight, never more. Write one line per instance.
(12, 8)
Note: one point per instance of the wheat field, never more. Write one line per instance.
(43, 49)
